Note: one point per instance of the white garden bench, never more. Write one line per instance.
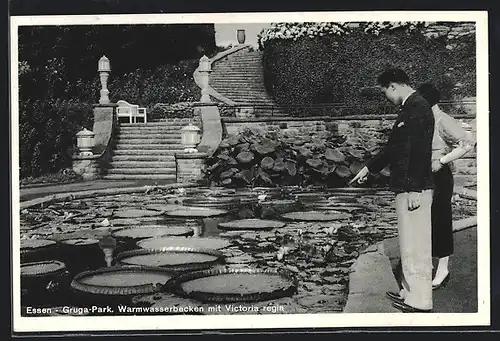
(132, 111)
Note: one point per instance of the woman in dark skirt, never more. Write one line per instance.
(450, 143)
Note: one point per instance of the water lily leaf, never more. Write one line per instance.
(242, 147)
(229, 173)
(224, 144)
(279, 165)
(315, 163)
(304, 151)
(244, 157)
(233, 140)
(265, 178)
(263, 149)
(355, 167)
(227, 181)
(334, 155)
(343, 171)
(267, 163)
(355, 153)
(245, 175)
(386, 171)
(290, 167)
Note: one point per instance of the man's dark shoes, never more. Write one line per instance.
(405, 308)
(394, 296)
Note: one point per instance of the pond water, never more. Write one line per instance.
(317, 246)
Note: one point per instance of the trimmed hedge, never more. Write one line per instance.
(333, 69)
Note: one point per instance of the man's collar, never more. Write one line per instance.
(404, 99)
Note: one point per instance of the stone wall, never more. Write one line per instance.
(376, 126)
(189, 166)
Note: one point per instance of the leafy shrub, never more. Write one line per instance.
(287, 158)
(47, 134)
(167, 84)
(176, 110)
(335, 68)
(61, 177)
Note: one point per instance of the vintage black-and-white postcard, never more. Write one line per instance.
(250, 170)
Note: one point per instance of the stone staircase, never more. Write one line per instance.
(239, 77)
(146, 151)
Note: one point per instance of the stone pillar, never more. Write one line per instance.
(104, 68)
(190, 166)
(204, 69)
(87, 166)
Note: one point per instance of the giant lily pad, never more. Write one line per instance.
(152, 231)
(173, 258)
(122, 280)
(315, 216)
(194, 212)
(160, 243)
(136, 213)
(251, 224)
(163, 207)
(226, 284)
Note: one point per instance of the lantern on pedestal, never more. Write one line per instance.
(190, 135)
(85, 142)
(104, 68)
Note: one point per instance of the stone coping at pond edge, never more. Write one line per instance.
(98, 192)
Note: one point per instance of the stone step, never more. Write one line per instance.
(153, 157)
(148, 146)
(135, 141)
(163, 123)
(143, 171)
(239, 66)
(159, 129)
(140, 177)
(119, 164)
(170, 136)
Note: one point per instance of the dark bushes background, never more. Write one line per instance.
(59, 82)
(331, 70)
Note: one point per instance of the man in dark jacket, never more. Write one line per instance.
(408, 153)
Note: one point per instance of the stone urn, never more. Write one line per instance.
(240, 34)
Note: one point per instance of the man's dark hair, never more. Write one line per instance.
(389, 76)
(429, 93)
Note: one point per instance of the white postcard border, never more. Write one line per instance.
(108, 323)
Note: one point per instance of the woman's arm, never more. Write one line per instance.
(455, 136)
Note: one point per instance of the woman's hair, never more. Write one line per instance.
(429, 93)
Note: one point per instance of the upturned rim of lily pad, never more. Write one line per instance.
(216, 257)
(29, 245)
(179, 231)
(182, 241)
(43, 268)
(289, 288)
(151, 213)
(123, 290)
(192, 211)
(251, 224)
(315, 216)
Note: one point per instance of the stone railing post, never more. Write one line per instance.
(94, 146)
(204, 70)
(104, 69)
